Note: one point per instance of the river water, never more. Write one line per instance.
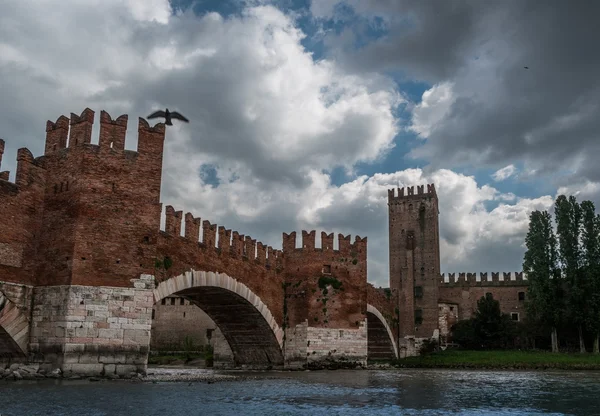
(367, 392)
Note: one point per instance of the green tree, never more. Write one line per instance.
(568, 217)
(495, 328)
(465, 335)
(489, 327)
(591, 265)
(545, 303)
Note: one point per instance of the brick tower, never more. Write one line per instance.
(101, 202)
(415, 261)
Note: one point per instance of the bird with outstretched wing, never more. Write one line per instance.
(168, 116)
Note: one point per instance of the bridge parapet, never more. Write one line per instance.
(219, 240)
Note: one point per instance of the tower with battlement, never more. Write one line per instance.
(415, 259)
(98, 195)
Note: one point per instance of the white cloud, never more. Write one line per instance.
(583, 190)
(434, 105)
(149, 10)
(504, 173)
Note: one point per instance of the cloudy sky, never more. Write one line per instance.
(303, 113)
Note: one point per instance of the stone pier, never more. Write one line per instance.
(93, 330)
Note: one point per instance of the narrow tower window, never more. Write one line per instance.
(418, 292)
(418, 316)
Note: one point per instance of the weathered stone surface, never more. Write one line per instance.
(326, 347)
(104, 336)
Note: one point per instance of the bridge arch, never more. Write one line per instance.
(380, 338)
(14, 328)
(255, 337)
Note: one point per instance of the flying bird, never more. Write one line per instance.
(168, 115)
(526, 67)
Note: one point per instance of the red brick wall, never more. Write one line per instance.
(83, 214)
(325, 306)
(100, 229)
(21, 205)
(467, 291)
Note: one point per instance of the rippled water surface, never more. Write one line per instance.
(392, 392)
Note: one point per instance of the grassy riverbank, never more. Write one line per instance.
(502, 360)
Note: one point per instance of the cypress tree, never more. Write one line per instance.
(545, 303)
(568, 217)
(591, 266)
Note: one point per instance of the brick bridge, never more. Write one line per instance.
(83, 260)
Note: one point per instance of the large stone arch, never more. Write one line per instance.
(380, 339)
(14, 329)
(252, 332)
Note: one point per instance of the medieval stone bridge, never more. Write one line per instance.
(83, 260)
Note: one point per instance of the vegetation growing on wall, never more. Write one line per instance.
(329, 286)
(161, 268)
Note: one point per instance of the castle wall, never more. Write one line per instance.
(174, 319)
(448, 316)
(468, 288)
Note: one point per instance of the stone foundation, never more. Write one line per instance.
(312, 347)
(295, 346)
(407, 347)
(89, 330)
(411, 346)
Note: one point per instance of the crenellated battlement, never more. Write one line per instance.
(65, 134)
(76, 131)
(409, 192)
(345, 246)
(4, 175)
(28, 168)
(223, 240)
(484, 279)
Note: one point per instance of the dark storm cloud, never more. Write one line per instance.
(545, 115)
(429, 40)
